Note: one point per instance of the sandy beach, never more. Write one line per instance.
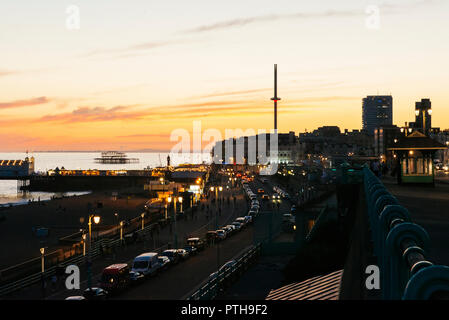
(62, 217)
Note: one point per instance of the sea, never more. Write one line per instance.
(45, 161)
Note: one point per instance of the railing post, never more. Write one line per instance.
(396, 272)
(388, 215)
(428, 283)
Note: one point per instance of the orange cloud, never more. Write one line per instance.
(88, 114)
(23, 103)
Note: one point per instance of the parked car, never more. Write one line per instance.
(172, 254)
(191, 250)
(221, 234)
(115, 278)
(164, 262)
(183, 254)
(136, 277)
(255, 207)
(232, 227)
(228, 230)
(197, 243)
(75, 298)
(252, 213)
(146, 263)
(285, 195)
(248, 219)
(237, 225)
(95, 293)
(242, 220)
(211, 236)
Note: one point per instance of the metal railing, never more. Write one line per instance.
(211, 287)
(400, 246)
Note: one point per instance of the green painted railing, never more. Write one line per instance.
(211, 287)
(400, 247)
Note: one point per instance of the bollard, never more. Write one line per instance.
(428, 283)
(396, 271)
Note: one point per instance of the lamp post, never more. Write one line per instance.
(180, 202)
(42, 250)
(42, 260)
(121, 231)
(175, 199)
(216, 189)
(117, 220)
(89, 261)
(84, 243)
(166, 201)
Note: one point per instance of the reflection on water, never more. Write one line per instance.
(45, 161)
(9, 195)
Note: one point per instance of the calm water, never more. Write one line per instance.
(84, 160)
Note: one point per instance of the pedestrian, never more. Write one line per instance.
(375, 168)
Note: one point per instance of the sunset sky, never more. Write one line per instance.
(136, 70)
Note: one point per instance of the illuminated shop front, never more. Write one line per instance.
(414, 156)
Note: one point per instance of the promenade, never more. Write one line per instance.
(428, 207)
(62, 217)
(177, 281)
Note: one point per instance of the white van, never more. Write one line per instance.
(147, 263)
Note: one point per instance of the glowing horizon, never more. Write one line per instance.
(131, 74)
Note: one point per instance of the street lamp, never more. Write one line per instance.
(121, 231)
(169, 199)
(42, 250)
(180, 201)
(42, 260)
(84, 242)
(89, 261)
(216, 189)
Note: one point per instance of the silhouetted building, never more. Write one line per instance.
(384, 138)
(247, 150)
(377, 111)
(329, 141)
(17, 168)
(423, 116)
